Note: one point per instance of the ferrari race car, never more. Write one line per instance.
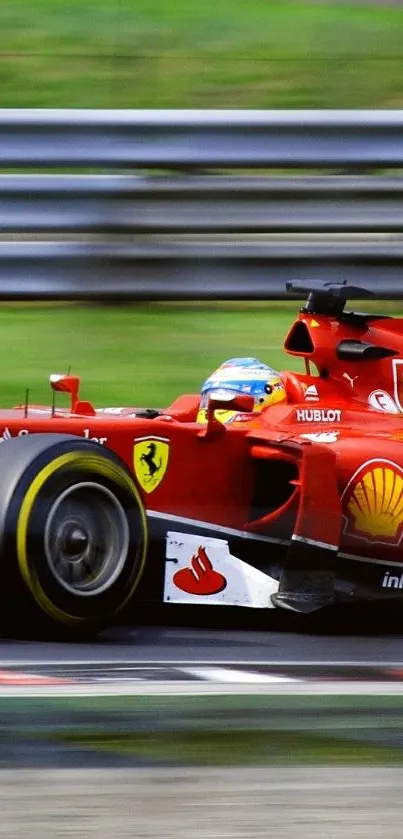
(296, 506)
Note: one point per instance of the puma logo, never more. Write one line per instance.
(350, 379)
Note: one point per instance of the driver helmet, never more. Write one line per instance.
(240, 376)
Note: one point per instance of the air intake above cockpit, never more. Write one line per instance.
(299, 340)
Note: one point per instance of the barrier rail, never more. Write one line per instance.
(214, 139)
(198, 232)
(189, 271)
(123, 204)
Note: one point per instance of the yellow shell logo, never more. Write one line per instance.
(373, 502)
(150, 461)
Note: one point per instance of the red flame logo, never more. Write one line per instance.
(201, 578)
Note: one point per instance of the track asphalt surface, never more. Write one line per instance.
(193, 660)
(106, 796)
(373, 645)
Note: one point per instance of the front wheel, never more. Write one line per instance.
(73, 536)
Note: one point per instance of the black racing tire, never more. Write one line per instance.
(73, 536)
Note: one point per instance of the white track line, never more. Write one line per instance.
(221, 674)
(147, 689)
(150, 663)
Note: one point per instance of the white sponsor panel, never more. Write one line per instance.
(116, 411)
(311, 394)
(318, 415)
(321, 436)
(201, 570)
(380, 400)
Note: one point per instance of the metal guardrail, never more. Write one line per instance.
(182, 139)
(198, 233)
(175, 205)
(186, 271)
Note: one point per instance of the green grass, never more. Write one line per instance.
(133, 355)
(233, 729)
(137, 355)
(168, 53)
(236, 748)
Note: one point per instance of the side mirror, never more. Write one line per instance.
(66, 384)
(239, 402)
(243, 402)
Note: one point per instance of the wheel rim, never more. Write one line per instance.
(86, 539)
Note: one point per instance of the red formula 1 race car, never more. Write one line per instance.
(268, 491)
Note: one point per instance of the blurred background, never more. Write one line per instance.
(223, 54)
(160, 54)
(170, 54)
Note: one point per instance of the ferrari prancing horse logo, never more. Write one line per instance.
(150, 459)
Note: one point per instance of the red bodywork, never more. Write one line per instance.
(322, 471)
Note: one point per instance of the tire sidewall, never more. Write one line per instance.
(54, 468)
